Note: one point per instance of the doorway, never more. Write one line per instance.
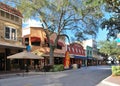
(2, 62)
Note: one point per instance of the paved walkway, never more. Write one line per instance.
(110, 81)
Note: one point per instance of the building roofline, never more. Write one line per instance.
(10, 9)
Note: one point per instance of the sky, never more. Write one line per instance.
(102, 34)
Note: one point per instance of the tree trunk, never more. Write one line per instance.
(51, 59)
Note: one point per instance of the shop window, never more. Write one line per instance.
(10, 33)
(35, 43)
(87, 52)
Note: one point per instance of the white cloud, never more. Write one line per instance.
(32, 23)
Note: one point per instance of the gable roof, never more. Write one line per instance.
(10, 9)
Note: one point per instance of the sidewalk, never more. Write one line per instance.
(110, 81)
(21, 74)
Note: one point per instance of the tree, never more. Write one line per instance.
(111, 8)
(109, 48)
(56, 17)
(91, 13)
(112, 24)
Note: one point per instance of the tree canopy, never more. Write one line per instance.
(112, 24)
(60, 16)
(111, 8)
(109, 48)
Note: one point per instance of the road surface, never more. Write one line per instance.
(85, 76)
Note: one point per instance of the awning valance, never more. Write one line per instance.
(80, 57)
(35, 39)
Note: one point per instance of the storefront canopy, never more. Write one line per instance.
(25, 55)
(80, 57)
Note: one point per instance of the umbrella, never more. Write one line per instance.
(24, 55)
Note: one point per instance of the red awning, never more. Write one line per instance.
(35, 39)
(61, 44)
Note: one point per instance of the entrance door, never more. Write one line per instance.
(2, 62)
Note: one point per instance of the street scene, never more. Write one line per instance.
(87, 76)
(59, 43)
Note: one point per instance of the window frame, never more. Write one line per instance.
(14, 38)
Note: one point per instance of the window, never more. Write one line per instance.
(76, 50)
(26, 41)
(2, 13)
(79, 51)
(16, 19)
(10, 33)
(7, 15)
(12, 17)
(59, 47)
(68, 48)
(35, 41)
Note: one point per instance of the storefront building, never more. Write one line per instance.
(90, 46)
(77, 54)
(36, 38)
(89, 54)
(10, 35)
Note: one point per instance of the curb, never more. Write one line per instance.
(108, 83)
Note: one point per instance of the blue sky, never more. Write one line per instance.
(102, 34)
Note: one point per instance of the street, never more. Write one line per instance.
(85, 76)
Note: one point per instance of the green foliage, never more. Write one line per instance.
(109, 48)
(112, 24)
(58, 68)
(116, 70)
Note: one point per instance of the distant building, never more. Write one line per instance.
(36, 38)
(10, 35)
(77, 54)
(91, 51)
